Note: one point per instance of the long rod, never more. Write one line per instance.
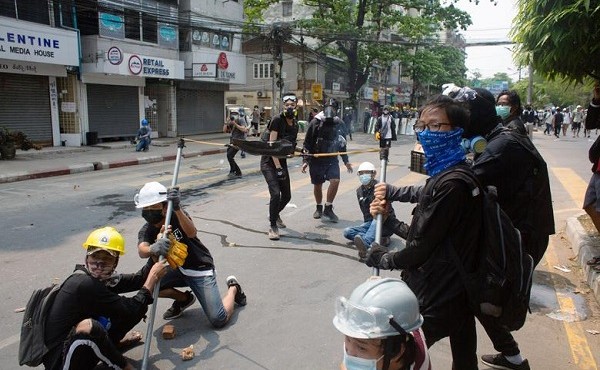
(382, 175)
(150, 329)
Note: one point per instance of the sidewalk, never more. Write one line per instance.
(57, 161)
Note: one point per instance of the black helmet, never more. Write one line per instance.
(332, 103)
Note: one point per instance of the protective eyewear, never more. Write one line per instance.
(289, 97)
(368, 320)
(433, 127)
(462, 94)
(101, 265)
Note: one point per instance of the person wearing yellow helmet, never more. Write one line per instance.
(196, 270)
(89, 321)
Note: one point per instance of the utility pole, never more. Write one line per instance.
(304, 110)
(278, 34)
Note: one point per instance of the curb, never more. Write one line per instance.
(100, 165)
(584, 250)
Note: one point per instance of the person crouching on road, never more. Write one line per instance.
(275, 170)
(364, 234)
(89, 321)
(197, 270)
(144, 137)
(381, 324)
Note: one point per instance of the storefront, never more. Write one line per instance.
(32, 57)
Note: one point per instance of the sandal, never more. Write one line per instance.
(594, 261)
(130, 340)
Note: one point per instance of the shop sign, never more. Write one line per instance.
(114, 55)
(30, 68)
(204, 70)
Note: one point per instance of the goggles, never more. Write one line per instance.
(289, 97)
(371, 321)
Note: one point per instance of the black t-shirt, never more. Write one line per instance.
(284, 131)
(199, 257)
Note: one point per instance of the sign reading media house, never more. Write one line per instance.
(31, 42)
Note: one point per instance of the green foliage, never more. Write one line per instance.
(557, 92)
(560, 38)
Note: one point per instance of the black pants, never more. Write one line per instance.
(279, 190)
(456, 321)
(501, 338)
(233, 167)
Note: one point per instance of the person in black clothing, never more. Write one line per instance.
(325, 135)
(508, 107)
(238, 131)
(89, 319)
(385, 128)
(511, 163)
(557, 121)
(446, 222)
(275, 170)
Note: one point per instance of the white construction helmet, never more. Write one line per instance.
(150, 194)
(371, 307)
(366, 166)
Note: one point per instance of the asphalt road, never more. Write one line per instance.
(291, 284)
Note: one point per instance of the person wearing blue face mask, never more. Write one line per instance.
(364, 234)
(381, 326)
(446, 222)
(508, 107)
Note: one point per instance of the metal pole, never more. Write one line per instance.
(150, 329)
(383, 155)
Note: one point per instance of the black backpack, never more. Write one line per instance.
(32, 348)
(501, 286)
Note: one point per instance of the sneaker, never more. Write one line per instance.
(385, 241)
(280, 223)
(498, 361)
(273, 233)
(240, 296)
(319, 212)
(177, 308)
(360, 245)
(328, 214)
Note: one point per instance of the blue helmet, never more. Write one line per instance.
(144, 122)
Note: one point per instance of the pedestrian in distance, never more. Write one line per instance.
(508, 107)
(325, 135)
(348, 122)
(366, 120)
(557, 120)
(238, 131)
(197, 271)
(255, 121)
(577, 120)
(566, 120)
(446, 222)
(364, 234)
(144, 137)
(274, 169)
(385, 128)
(89, 320)
(548, 122)
(382, 327)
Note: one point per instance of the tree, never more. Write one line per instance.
(554, 92)
(559, 38)
(354, 30)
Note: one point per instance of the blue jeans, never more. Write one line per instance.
(205, 289)
(143, 144)
(366, 230)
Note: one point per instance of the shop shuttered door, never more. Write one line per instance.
(199, 111)
(25, 105)
(113, 111)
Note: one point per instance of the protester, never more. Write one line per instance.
(577, 120)
(89, 321)
(238, 130)
(557, 120)
(348, 117)
(385, 128)
(591, 203)
(255, 121)
(366, 120)
(198, 269)
(446, 222)
(508, 107)
(381, 326)
(275, 170)
(144, 137)
(324, 135)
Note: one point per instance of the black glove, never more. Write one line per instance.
(280, 174)
(173, 196)
(379, 257)
(161, 247)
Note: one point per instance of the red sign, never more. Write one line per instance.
(222, 61)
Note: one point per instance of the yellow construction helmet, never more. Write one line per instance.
(107, 239)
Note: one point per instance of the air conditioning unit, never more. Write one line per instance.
(260, 94)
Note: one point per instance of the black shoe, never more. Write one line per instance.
(360, 245)
(280, 223)
(328, 214)
(498, 361)
(240, 296)
(319, 212)
(177, 308)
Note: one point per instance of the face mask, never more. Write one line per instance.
(365, 179)
(503, 111)
(474, 145)
(385, 112)
(442, 149)
(152, 216)
(357, 363)
(290, 112)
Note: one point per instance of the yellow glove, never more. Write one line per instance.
(377, 136)
(177, 253)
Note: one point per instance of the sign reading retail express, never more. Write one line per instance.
(138, 65)
(204, 70)
(114, 55)
(37, 43)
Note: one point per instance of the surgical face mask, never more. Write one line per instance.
(357, 363)
(152, 216)
(365, 178)
(474, 145)
(386, 112)
(290, 112)
(503, 111)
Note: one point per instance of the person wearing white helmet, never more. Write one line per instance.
(196, 270)
(364, 234)
(382, 327)
(89, 321)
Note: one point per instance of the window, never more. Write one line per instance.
(149, 26)
(286, 8)
(132, 24)
(263, 70)
(27, 10)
